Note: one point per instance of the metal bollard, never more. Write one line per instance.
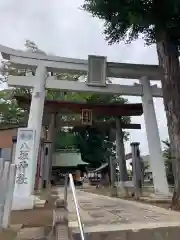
(136, 169)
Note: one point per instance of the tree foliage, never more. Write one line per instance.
(96, 146)
(65, 139)
(10, 112)
(156, 22)
(129, 20)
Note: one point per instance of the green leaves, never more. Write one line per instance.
(10, 112)
(125, 20)
(91, 144)
(95, 145)
(65, 139)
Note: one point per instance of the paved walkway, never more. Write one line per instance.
(101, 213)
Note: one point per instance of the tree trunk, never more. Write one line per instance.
(168, 59)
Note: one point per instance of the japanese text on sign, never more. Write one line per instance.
(21, 178)
(23, 156)
(87, 116)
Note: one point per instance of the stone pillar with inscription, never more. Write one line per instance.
(22, 198)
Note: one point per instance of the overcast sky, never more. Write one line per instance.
(59, 27)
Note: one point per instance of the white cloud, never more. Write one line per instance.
(61, 28)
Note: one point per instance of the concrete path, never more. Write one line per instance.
(105, 214)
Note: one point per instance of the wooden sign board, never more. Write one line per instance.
(86, 116)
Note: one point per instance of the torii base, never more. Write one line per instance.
(23, 203)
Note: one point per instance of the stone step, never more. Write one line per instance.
(39, 203)
(34, 233)
(61, 232)
(60, 221)
(150, 231)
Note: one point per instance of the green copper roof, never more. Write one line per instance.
(67, 159)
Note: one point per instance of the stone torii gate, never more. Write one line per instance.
(74, 111)
(98, 69)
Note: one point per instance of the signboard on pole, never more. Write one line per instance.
(86, 116)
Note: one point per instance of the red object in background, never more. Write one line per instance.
(86, 117)
(113, 109)
(38, 170)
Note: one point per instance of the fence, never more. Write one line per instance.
(7, 183)
(73, 189)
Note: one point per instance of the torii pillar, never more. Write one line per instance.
(26, 199)
(154, 143)
(120, 151)
(121, 155)
(36, 112)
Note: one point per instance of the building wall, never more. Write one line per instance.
(6, 137)
(6, 142)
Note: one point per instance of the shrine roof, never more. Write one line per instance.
(67, 158)
(115, 109)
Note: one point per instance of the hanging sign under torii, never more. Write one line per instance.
(86, 117)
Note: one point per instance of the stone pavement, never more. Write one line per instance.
(105, 214)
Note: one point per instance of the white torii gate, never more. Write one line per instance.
(97, 69)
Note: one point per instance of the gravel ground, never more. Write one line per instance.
(38, 217)
(7, 235)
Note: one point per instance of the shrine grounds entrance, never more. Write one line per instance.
(110, 217)
(96, 82)
(80, 115)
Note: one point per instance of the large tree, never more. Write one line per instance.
(156, 22)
